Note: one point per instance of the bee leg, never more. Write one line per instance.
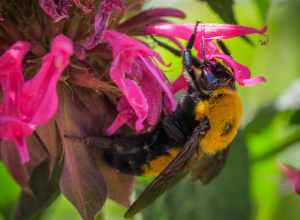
(223, 47)
(187, 58)
(196, 62)
(192, 38)
(101, 142)
(171, 49)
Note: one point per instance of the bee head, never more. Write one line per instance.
(213, 75)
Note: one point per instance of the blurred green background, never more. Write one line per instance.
(251, 186)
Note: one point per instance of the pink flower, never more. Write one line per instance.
(293, 174)
(25, 105)
(135, 72)
(207, 33)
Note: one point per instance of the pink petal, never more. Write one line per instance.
(11, 76)
(130, 89)
(254, 81)
(179, 84)
(241, 72)
(142, 83)
(212, 31)
(153, 94)
(293, 174)
(23, 150)
(126, 115)
(205, 32)
(119, 121)
(157, 76)
(121, 43)
(40, 101)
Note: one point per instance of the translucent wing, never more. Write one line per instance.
(176, 170)
(209, 166)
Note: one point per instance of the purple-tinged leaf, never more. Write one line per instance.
(81, 182)
(49, 137)
(12, 162)
(120, 185)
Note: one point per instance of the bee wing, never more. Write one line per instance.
(176, 170)
(209, 166)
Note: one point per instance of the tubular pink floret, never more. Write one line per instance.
(26, 105)
(212, 31)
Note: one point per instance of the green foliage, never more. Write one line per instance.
(44, 192)
(263, 7)
(9, 192)
(224, 9)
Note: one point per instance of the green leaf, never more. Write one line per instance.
(44, 192)
(82, 183)
(286, 142)
(9, 195)
(295, 118)
(62, 209)
(263, 7)
(262, 119)
(224, 9)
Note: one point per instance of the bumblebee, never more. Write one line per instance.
(194, 139)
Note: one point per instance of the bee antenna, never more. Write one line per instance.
(202, 31)
(193, 37)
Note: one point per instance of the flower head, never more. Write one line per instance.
(205, 35)
(108, 65)
(27, 104)
(142, 83)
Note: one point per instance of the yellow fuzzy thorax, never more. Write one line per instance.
(223, 109)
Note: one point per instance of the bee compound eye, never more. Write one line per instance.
(210, 78)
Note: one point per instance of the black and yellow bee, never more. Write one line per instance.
(194, 139)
